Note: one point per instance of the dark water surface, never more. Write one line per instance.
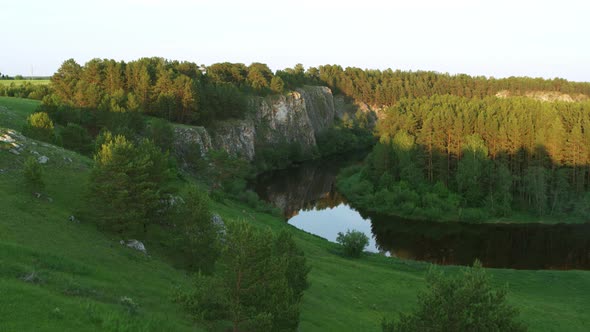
(309, 200)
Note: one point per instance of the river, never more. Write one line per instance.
(309, 200)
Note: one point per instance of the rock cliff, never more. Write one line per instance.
(547, 96)
(296, 117)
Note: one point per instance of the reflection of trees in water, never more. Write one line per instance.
(309, 186)
(530, 246)
(328, 201)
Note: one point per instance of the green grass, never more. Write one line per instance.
(14, 111)
(19, 82)
(81, 273)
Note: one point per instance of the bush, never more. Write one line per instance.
(199, 233)
(353, 242)
(76, 138)
(207, 299)
(162, 133)
(33, 173)
(463, 303)
(39, 126)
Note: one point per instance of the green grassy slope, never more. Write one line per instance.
(14, 111)
(80, 274)
(353, 295)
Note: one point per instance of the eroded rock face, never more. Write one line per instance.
(237, 138)
(296, 117)
(546, 96)
(187, 135)
(285, 119)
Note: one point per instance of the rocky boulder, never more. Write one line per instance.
(134, 244)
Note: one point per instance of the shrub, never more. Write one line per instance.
(353, 242)
(199, 232)
(33, 173)
(259, 285)
(207, 299)
(76, 138)
(463, 303)
(130, 306)
(162, 133)
(39, 126)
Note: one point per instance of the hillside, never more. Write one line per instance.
(58, 275)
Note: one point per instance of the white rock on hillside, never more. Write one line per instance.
(134, 244)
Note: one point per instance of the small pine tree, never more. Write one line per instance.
(464, 303)
(33, 173)
(200, 233)
(127, 183)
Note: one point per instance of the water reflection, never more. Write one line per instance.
(305, 187)
(518, 246)
(309, 200)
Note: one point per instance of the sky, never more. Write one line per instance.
(492, 38)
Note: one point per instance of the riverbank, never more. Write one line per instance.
(354, 295)
(434, 207)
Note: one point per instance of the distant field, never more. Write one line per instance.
(19, 82)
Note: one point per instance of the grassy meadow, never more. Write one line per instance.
(58, 275)
(19, 82)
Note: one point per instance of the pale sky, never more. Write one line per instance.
(493, 38)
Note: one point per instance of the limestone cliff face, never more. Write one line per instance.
(547, 96)
(296, 117)
(236, 137)
(191, 135)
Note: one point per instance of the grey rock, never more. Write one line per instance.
(43, 160)
(220, 225)
(14, 151)
(297, 117)
(134, 244)
(73, 219)
(32, 277)
(217, 220)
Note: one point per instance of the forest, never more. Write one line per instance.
(449, 147)
(185, 92)
(451, 157)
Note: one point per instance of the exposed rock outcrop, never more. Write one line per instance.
(134, 244)
(548, 96)
(296, 117)
(187, 135)
(236, 137)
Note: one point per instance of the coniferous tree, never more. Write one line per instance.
(127, 184)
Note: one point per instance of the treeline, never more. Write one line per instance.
(188, 93)
(177, 91)
(387, 87)
(24, 90)
(447, 157)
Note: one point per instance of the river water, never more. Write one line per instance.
(309, 200)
